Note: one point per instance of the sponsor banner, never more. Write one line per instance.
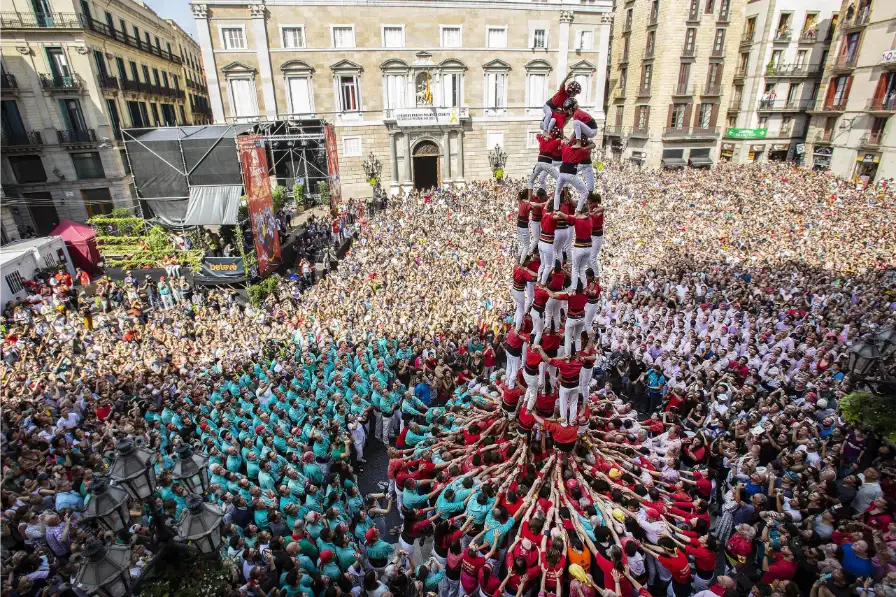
(424, 116)
(736, 133)
(223, 267)
(333, 169)
(257, 181)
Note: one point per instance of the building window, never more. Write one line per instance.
(125, 163)
(395, 87)
(623, 79)
(584, 81)
(655, 11)
(494, 139)
(300, 95)
(642, 117)
(292, 36)
(496, 37)
(495, 91)
(704, 116)
(88, 165)
(27, 168)
(620, 112)
(689, 36)
(540, 38)
(537, 90)
(233, 38)
(677, 120)
(343, 36)
(719, 42)
(243, 98)
(155, 114)
(452, 87)
(532, 139)
(710, 7)
(651, 44)
(351, 147)
(393, 36)
(15, 281)
(585, 39)
(451, 36)
(646, 73)
(348, 93)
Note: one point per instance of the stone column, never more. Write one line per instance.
(259, 19)
(460, 156)
(200, 12)
(606, 24)
(393, 154)
(446, 158)
(407, 161)
(566, 18)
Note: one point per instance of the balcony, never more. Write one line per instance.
(627, 27)
(881, 104)
(644, 92)
(858, 20)
(792, 71)
(8, 84)
(717, 53)
(694, 18)
(724, 18)
(784, 105)
(107, 82)
(27, 141)
(845, 62)
(129, 40)
(747, 39)
(76, 137)
(619, 94)
(623, 59)
(687, 52)
(614, 131)
(741, 72)
(649, 53)
(783, 36)
(683, 91)
(833, 106)
(712, 90)
(809, 36)
(639, 132)
(60, 84)
(675, 132)
(871, 139)
(51, 20)
(823, 137)
(653, 20)
(734, 106)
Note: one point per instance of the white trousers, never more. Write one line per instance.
(530, 294)
(522, 235)
(590, 314)
(540, 173)
(580, 257)
(531, 390)
(580, 129)
(569, 404)
(562, 243)
(546, 253)
(563, 179)
(537, 325)
(586, 169)
(552, 313)
(513, 367)
(573, 333)
(584, 381)
(548, 122)
(534, 233)
(596, 243)
(519, 298)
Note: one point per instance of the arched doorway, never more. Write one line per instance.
(426, 165)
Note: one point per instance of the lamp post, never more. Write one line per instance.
(105, 570)
(191, 469)
(132, 470)
(108, 505)
(497, 159)
(866, 361)
(200, 524)
(372, 168)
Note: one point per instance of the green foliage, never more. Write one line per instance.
(158, 239)
(323, 190)
(112, 226)
(249, 259)
(298, 193)
(142, 259)
(205, 579)
(243, 213)
(499, 173)
(278, 197)
(121, 212)
(259, 292)
(872, 411)
(372, 181)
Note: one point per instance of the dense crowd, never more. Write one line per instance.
(701, 453)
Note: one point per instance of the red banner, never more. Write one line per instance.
(261, 206)
(333, 168)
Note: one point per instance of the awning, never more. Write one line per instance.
(701, 161)
(674, 163)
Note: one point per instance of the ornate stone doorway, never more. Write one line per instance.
(426, 165)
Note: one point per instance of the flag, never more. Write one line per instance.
(428, 95)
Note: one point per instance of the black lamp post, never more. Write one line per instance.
(866, 361)
(108, 505)
(200, 524)
(862, 358)
(191, 469)
(132, 470)
(105, 570)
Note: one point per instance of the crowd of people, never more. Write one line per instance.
(701, 453)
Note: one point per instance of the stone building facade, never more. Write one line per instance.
(428, 88)
(74, 74)
(672, 66)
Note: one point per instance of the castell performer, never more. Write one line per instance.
(581, 251)
(548, 158)
(583, 127)
(537, 202)
(597, 229)
(553, 108)
(574, 153)
(522, 223)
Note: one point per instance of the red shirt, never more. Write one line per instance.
(703, 558)
(525, 420)
(548, 227)
(541, 299)
(572, 155)
(522, 214)
(606, 567)
(511, 396)
(576, 302)
(597, 223)
(780, 569)
(549, 147)
(520, 276)
(558, 98)
(552, 574)
(544, 403)
(583, 116)
(678, 566)
(569, 371)
(537, 211)
(561, 434)
(550, 342)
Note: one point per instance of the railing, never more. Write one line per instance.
(649, 53)
(846, 61)
(614, 131)
(639, 131)
(107, 82)
(871, 139)
(653, 20)
(627, 27)
(28, 139)
(683, 90)
(713, 89)
(858, 20)
(740, 73)
(809, 36)
(8, 81)
(782, 35)
(789, 70)
(724, 17)
(747, 39)
(687, 52)
(824, 136)
(51, 20)
(717, 52)
(76, 136)
(60, 83)
(839, 106)
(694, 17)
(125, 38)
(881, 104)
(623, 59)
(705, 131)
(697, 131)
(783, 105)
(644, 92)
(619, 93)
(735, 103)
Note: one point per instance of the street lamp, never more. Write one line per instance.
(105, 570)
(497, 158)
(191, 470)
(108, 505)
(132, 470)
(372, 169)
(862, 358)
(200, 524)
(886, 342)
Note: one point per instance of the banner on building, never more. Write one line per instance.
(333, 168)
(223, 267)
(736, 133)
(256, 179)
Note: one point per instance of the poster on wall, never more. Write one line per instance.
(256, 178)
(333, 169)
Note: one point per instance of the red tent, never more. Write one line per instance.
(81, 242)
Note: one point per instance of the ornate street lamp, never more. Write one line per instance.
(105, 570)
(372, 169)
(191, 469)
(108, 505)
(132, 470)
(886, 342)
(200, 524)
(497, 158)
(862, 358)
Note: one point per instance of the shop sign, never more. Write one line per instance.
(870, 158)
(779, 147)
(727, 146)
(824, 151)
(889, 57)
(757, 148)
(800, 148)
(736, 133)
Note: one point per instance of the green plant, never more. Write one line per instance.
(499, 173)
(112, 226)
(249, 259)
(121, 212)
(278, 197)
(872, 411)
(243, 213)
(158, 239)
(205, 579)
(323, 191)
(298, 193)
(259, 292)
